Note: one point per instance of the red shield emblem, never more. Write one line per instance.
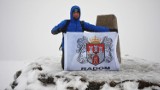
(95, 53)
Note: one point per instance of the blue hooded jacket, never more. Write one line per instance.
(75, 26)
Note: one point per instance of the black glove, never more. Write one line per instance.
(57, 31)
(113, 30)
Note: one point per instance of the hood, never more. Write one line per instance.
(71, 12)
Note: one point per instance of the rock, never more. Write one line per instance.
(14, 84)
(144, 84)
(18, 73)
(112, 84)
(83, 79)
(95, 85)
(37, 67)
(46, 79)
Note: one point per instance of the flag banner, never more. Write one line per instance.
(90, 51)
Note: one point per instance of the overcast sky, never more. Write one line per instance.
(25, 26)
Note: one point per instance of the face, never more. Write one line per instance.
(76, 15)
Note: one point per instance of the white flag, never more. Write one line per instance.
(90, 51)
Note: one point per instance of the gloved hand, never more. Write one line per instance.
(113, 30)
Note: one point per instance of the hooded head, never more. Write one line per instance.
(73, 10)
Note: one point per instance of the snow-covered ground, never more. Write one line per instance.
(46, 74)
(8, 69)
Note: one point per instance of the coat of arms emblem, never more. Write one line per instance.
(97, 50)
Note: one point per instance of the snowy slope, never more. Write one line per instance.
(46, 74)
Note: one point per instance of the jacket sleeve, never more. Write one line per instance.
(57, 29)
(92, 28)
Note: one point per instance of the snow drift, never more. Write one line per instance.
(46, 74)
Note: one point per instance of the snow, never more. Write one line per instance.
(8, 69)
(131, 69)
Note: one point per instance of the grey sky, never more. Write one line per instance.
(25, 26)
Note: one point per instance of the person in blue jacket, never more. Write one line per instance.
(75, 25)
